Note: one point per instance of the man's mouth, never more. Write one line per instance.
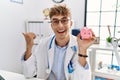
(61, 31)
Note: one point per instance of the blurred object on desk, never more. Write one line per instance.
(97, 40)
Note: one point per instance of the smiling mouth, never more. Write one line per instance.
(61, 31)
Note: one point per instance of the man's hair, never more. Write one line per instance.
(59, 10)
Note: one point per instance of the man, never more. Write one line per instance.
(56, 57)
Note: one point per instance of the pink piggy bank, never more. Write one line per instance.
(86, 33)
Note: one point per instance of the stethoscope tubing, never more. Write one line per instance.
(70, 65)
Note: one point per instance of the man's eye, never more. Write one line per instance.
(64, 21)
(55, 21)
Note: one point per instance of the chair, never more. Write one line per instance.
(75, 32)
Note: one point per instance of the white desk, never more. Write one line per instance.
(14, 76)
(101, 73)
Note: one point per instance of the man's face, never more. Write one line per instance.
(61, 26)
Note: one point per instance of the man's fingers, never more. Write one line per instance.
(30, 34)
(78, 36)
(93, 34)
(23, 34)
(33, 34)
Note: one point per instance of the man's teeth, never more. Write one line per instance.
(61, 31)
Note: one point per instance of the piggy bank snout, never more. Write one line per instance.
(86, 33)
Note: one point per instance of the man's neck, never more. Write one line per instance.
(62, 42)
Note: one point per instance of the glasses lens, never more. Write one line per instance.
(63, 21)
(55, 22)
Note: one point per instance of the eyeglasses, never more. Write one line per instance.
(63, 21)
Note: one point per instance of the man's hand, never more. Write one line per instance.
(29, 37)
(85, 43)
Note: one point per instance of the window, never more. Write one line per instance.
(98, 15)
(101, 13)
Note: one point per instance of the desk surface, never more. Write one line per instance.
(102, 47)
(14, 76)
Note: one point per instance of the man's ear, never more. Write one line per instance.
(51, 25)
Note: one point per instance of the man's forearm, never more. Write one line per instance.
(82, 57)
(27, 53)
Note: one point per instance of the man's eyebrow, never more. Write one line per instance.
(55, 19)
(59, 19)
(64, 18)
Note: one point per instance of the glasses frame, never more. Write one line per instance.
(62, 21)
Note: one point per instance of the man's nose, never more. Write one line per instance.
(60, 24)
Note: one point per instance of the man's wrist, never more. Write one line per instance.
(82, 50)
(27, 55)
(81, 55)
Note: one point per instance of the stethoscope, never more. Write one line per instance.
(70, 65)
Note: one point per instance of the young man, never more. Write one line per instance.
(59, 57)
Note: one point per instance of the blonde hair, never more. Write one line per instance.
(59, 10)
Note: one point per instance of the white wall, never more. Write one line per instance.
(12, 24)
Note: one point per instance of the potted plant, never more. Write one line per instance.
(109, 39)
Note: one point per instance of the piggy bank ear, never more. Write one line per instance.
(82, 30)
(90, 30)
